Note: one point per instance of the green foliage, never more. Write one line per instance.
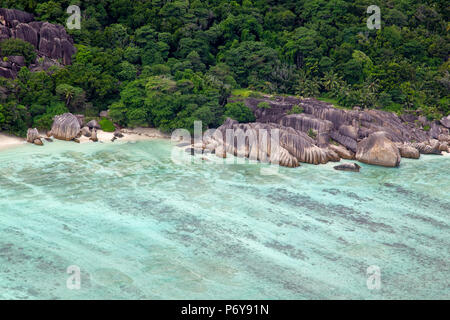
(239, 111)
(312, 133)
(264, 105)
(107, 125)
(45, 120)
(169, 63)
(18, 47)
(296, 109)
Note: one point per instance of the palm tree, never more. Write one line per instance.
(331, 81)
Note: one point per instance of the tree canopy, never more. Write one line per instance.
(168, 63)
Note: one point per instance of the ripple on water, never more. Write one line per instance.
(140, 226)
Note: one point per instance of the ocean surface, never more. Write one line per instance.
(141, 223)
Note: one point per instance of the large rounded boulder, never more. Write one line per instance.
(32, 134)
(66, 127)
(408, 151)
(377, 149)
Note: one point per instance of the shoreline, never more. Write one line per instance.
(8, 141)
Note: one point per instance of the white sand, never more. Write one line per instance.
(8, 141)
(137, 134)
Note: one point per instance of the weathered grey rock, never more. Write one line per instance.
(7, 16)
(17, 60)
(85, 131)
(425, 148)
(81, 119)
(50, 40)
(377, 149)
(183, 144)
(305, 122)
(118, 134)
(354, 167)
(445, 121)
(76, 140)
(93, 124)
(347, 142)
(38, 142)
(293, 146)
(435, 130)
(94, 135)
(408, 151)
(333, 156)
(66, 127)
(443, 146)
(32, 134)
(342, 152)
(104, 114)
(444, 138)
(349, 131)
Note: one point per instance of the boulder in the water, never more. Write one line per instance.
(38, 142)
(66, 127)
(408, 151)
(377, 149)
(354, 167)
(32, 134)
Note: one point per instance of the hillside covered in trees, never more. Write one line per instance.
(167, 63)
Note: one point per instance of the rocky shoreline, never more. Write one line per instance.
(323, 133)
(69, 127)
(318, 135)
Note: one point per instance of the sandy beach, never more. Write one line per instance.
(138, 134)
(10, 141)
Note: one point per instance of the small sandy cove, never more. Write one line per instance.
(137, 134)
(8, 141)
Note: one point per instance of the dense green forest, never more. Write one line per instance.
(166, 63)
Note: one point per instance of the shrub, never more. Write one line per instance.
(312, 133)
(18, 47)
(264, 105)
(239, 111)
(107, 125)
(295, 110)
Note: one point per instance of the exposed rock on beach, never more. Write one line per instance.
(323, 133)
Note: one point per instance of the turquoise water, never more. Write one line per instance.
(140, 226)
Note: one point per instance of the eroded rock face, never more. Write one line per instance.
(377, 149)
(93, 124)
(66, 127)
(32, 134)
(347, 127)
(94, 137)
(408, 151)
(426, 148)
(443, 146)
(50, 41)
(342, 152)
(259, 141)
(445, 121)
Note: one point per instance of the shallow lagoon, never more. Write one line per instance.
(140, 226)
